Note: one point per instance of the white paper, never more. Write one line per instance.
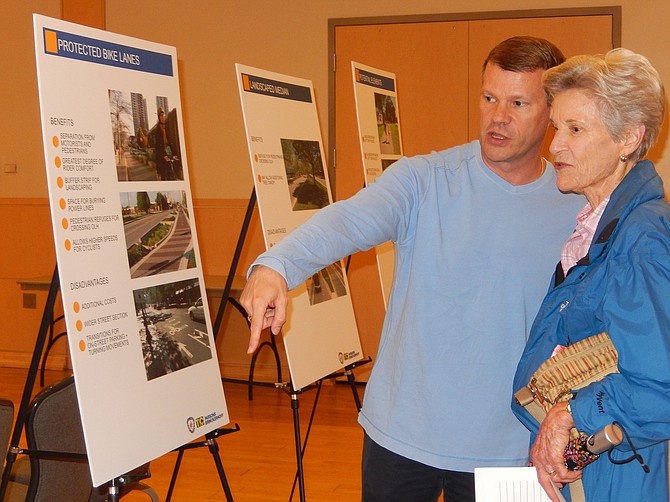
(509, 484)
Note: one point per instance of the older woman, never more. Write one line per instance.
(614, 276)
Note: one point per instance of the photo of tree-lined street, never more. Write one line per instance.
(171, 326)
(304, 174)
(158, 233)
(387, 124)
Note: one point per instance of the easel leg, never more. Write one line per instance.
(175, 471)
(309, 429)
(354, 390)
(351, 379)
(233, 266)
(214, 450)
(300, 451)
(113, 491)
(22, 414)
(210, 442)
(298, 446)
(52, 340)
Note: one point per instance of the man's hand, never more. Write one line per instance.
(265, 298)
(547, 451)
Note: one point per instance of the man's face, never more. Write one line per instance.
(161, 118)
(514, 115)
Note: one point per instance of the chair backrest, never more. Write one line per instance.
(6, 422)
(54, 424)
(17, 487)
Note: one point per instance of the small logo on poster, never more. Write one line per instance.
(190, 423)
(345, 356)
(201, 421)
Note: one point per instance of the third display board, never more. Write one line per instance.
(381, 142)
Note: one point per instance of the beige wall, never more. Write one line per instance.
(292, 37)
(210, 36)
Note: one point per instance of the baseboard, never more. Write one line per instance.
(60, 362)
(55, 362)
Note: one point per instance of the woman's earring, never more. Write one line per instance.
(623, 157)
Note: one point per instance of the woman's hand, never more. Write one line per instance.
(547, 451)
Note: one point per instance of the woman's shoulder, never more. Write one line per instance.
(646, 230)
(652, 214)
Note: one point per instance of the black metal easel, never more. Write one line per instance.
(226, 299)
(22, 414)
(295, 404)
(46, 327)
(287, 387)
(210, 442)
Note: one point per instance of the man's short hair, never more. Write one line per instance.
(524, 54)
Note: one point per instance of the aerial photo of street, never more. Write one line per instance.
(172, 327)
(158, 232)
(326, 284)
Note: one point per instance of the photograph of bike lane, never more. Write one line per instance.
(172, 327)
(158, 235)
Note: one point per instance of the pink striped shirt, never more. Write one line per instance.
(578, 244)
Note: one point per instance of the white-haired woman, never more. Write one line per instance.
(614, 276)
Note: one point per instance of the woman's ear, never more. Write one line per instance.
(632, 139)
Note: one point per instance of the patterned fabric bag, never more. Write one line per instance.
(576, 366)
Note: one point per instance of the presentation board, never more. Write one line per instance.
(291, 183)
(139, 332)
(381, 142)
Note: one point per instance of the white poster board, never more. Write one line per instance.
(141, 345)
(291, 183)
(381, 142)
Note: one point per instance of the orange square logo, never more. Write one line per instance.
(51, 41)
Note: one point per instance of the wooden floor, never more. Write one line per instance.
(260, 460)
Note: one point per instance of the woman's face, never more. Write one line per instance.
(585, 155)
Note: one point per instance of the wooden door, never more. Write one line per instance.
(433, 103)
(572, 34)
(438, 66)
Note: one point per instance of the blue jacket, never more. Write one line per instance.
(622, 287)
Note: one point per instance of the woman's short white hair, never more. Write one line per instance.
(626, 87)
